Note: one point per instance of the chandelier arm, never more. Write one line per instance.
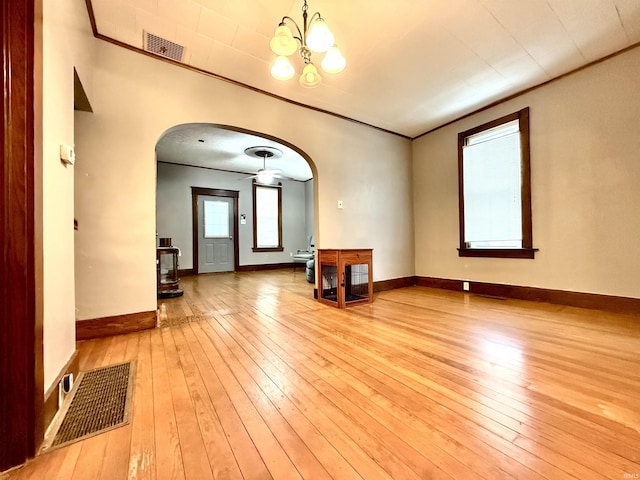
(299, 37)
(315, 16)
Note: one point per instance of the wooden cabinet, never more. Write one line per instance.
(346, 277)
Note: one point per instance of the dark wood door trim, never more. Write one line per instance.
(21, 369)
(216, 192)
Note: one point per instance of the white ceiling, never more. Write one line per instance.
(209, 146)
(412, 65)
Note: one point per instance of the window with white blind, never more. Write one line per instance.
(267, 218)
(494, 189)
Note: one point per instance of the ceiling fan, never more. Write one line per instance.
(266, 175)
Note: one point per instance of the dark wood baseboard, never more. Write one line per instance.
(394, 283)
(116, 325)
(439, 283)
(267, 266)
(51, 405)
(187, 272)
(594, 301)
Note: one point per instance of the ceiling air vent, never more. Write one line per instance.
(163, 47)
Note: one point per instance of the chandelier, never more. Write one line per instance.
(314, 37)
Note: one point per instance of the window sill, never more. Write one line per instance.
(497, 252)
(268, 249)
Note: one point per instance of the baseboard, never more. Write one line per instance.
(187, 272)
(594, 301)
(439, 283)
(51, 405)
(394, 283)
(267, 266)
(116, 325)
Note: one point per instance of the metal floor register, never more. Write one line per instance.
(100, 401)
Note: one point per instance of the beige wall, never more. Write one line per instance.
(585, 139)
(136, 98)
(67, 41)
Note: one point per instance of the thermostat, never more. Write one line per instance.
(67, 154)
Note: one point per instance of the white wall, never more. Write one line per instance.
(174, 211)
(67, 43)
(136, 98)
(309, 210)
(585, 139)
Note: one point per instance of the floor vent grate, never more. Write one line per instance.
(100, 401)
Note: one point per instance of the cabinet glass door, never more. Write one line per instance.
(168, 270)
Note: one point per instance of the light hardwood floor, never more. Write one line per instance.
(253, 379)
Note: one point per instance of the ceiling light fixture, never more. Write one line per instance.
(265, 175)
(314, 37)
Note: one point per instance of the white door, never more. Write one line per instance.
(215, 234)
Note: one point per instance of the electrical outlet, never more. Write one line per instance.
(465, 286)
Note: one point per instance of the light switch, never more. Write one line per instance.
(339, 203)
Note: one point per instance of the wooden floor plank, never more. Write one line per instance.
(383, 384)
(355, 441)
(142, 456)
(272, 453)
(253, 379)
(218, 450)
(329, 368)
(168, 456)
(244, 450)
(194, 454)
(286, 422)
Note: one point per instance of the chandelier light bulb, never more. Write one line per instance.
(283, 42)
(310, 77)
(282, 69)
(333, 61)
(319, 39)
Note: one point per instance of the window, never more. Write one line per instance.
(216, 219)
(267, 218)
(494, 188)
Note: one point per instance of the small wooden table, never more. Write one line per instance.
(346, 277)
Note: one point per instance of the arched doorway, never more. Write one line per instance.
(202, 162)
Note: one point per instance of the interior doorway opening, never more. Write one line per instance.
(210, 170)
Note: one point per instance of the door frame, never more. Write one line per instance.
(21, 297)
(215, 192)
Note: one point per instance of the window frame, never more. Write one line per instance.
(280, 247)
(527, 250)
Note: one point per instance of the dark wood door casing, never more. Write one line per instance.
(21, 370)
(215, 192)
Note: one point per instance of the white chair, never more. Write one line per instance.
(307, 257)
